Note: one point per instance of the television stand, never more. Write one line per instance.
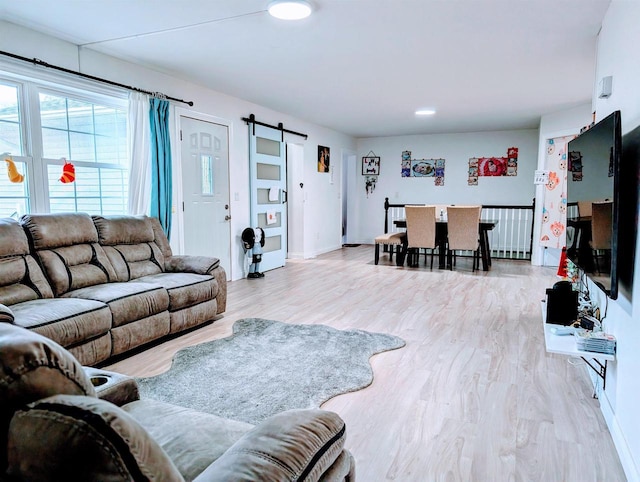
(566, 345)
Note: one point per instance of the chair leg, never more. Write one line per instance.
(376, 256)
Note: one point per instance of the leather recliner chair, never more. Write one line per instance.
(62, 421)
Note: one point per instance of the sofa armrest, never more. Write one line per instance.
(191, 264)
(292, 445)
(6, 314)
(113, 387)
(201, 265)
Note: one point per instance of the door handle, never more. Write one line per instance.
(285, 196)
(227, 217)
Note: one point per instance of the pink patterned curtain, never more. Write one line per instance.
(554, 208)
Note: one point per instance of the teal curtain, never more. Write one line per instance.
(160, 163)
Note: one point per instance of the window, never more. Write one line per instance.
(66, 130)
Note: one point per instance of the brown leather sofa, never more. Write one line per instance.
(56, 425)
(101, 286)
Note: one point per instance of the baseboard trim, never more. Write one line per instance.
(326, 250)
(626, 459)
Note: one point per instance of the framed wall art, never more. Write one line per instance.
(324, 160)
(371, 166)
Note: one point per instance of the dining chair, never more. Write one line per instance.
(421, 232)
(584, 208)
(601, 221)
(463, 227)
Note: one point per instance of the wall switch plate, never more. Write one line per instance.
(541, 177)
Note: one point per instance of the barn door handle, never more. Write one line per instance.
(285, 196)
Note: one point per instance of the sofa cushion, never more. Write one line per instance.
(81, 438)
(33, 367)
(129, 243)
(17, 243)
(114, 230)
(21, 279)
(192, 439)
(49, 231)
(185, 289)
(68, 321)
(67, 247)
(291, 445)
(128, 302)
(135, 260)
(6, 315)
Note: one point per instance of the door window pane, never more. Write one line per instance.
(267, 146)
(270, 172)
(206, 168)
(272, 243)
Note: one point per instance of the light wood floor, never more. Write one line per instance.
(472, 397)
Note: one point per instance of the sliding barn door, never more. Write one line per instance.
(268, 181)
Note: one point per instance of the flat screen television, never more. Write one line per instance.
(629, 188)
(593, 201)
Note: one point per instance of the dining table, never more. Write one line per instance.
(484, 227)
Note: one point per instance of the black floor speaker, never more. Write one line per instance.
(562, 304)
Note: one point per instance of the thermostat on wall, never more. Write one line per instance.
(541, 177)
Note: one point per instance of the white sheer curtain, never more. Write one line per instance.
(140, 154)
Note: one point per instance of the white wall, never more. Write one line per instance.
(618, 57)
(366, 213)
(322, 210)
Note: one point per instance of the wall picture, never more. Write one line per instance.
(323, 159)
(422, 168)
(493, 166)
(371, 166)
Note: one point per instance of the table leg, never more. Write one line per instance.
(441, 243)
(484, 250)
(402, 253)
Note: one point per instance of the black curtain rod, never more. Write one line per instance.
(87, 76)
(252, 120)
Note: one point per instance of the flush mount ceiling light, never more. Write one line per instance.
(425, 112)
(289, 9)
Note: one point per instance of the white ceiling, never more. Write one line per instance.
(361, 67)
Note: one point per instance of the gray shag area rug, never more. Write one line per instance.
(266, 367)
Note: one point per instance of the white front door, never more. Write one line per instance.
(205, 186)
(268, 182)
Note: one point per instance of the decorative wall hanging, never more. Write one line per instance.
(370, 165)
(554, 204)
(12, 170)
(371, 169)
(323, 159)
(493, 166)
(370, 184)
(422, 168)
(68, 172)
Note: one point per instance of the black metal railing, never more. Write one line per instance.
(512, 238)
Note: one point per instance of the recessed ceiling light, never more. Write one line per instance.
(425, 112)
(289, 9)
